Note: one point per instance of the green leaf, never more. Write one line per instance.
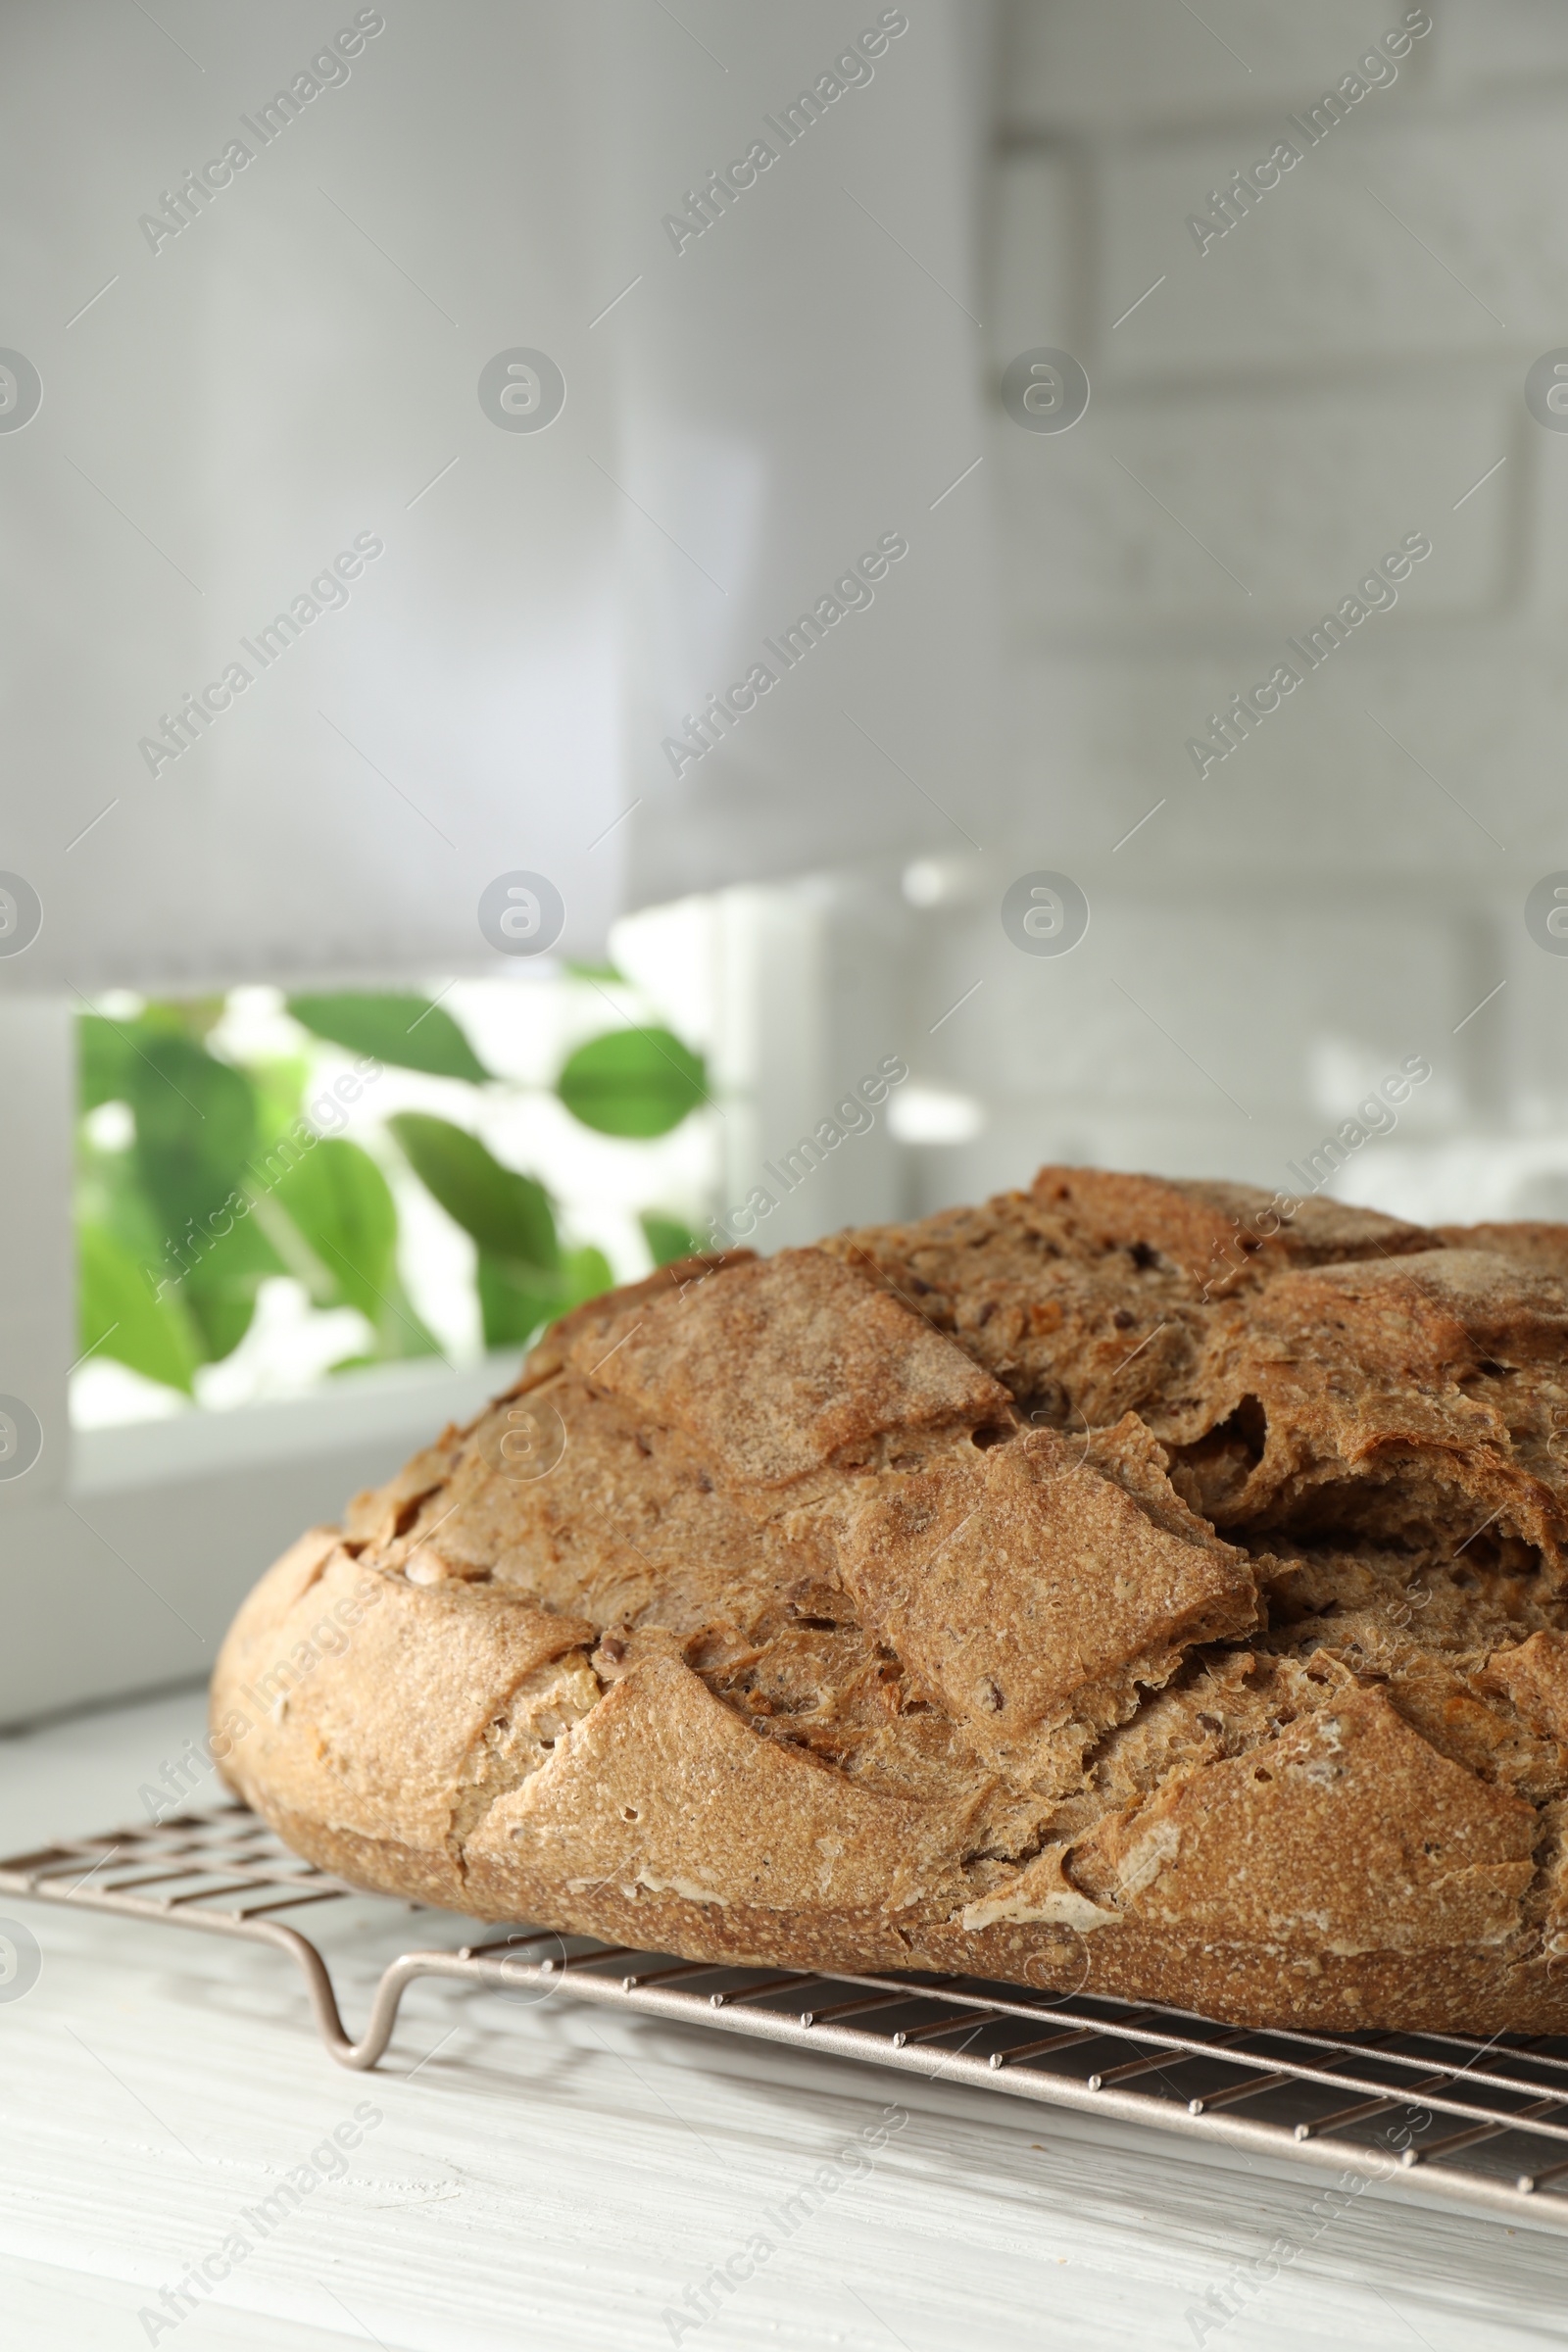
(109, 1195)
(343, 1206)
(110, 1053)
(512, 1309)
(172, 1202)
(184, 1016)
(222, 1316)
(220, 1287)
(410, 1031)
(400, 1334)
(589, 1274)
(515, 1305)
(596, 971)
(508, 1215)
(279, 1085)
(121, 1317)
(668, 1238)
(638, 1082)
(103, 1060)
(195, 1129)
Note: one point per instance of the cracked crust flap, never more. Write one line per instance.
(1534, 1675)
(1346, 1834)
(663, 1788)
(1398, 1397)
(1215, 1232)
(976, 1573)
(364, 1699)
(785, 1366)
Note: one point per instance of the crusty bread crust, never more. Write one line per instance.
(1059, 1592)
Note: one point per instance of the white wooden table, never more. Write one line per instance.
(558, 2177)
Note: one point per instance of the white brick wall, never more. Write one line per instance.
(1504, 44)
(1295, 494)
(1320, 271)
(1085, 65)
(1349, 885)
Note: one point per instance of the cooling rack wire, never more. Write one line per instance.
(1482, 2124)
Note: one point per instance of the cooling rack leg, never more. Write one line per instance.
(389, 1992)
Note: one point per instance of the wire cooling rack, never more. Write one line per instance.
(1482, 2124)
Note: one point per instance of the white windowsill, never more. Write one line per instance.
(366, 1407)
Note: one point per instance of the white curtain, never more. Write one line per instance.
(307, 647)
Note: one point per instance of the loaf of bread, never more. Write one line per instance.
(1128, 1587)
